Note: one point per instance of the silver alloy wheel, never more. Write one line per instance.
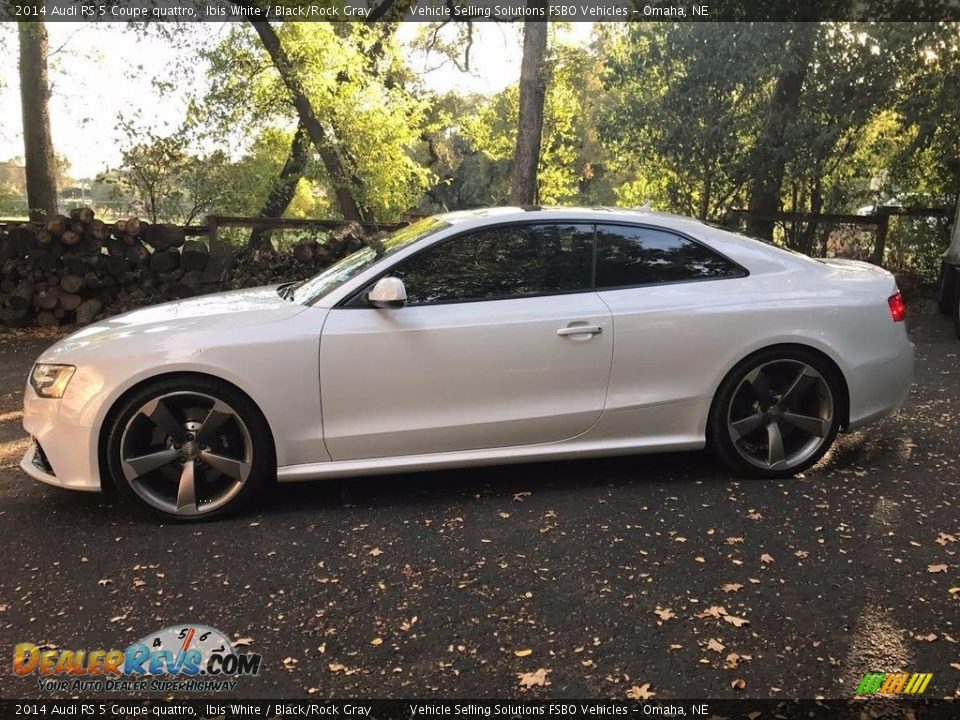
(780, 414)
(186, 453)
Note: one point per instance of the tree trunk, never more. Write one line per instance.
(283, 188)
(37, 142)
(342, 180)
(769, 156)
(533, 87)
(809, 233)
(706, 194)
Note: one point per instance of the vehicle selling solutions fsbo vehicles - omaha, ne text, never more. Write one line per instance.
(473, 338)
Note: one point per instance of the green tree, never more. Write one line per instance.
(570, 157)
(357, 89)
(684, 111)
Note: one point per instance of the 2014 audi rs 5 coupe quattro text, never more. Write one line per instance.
(474, 338)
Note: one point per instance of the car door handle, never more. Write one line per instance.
(580, 330)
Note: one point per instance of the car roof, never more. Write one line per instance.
(593, 214)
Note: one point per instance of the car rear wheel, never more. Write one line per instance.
(777, 413)
(190, 449)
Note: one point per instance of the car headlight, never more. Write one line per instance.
(50, 381)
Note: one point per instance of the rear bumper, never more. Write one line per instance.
(878, 388)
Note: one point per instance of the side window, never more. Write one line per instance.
(501, 262)
(644, 256)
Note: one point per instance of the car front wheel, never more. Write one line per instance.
(190, 449)
(776, 414)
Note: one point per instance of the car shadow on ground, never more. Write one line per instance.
(406, 490)
(500, 481)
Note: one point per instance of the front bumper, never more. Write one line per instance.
(62, 452)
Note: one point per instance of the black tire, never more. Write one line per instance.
(246, 427)
(736, 390)
(948, 293)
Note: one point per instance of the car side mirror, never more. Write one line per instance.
(389, 292)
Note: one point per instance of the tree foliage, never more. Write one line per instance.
(694, 118)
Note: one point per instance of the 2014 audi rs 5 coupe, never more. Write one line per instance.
(475, 338)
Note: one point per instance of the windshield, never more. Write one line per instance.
(352, 265)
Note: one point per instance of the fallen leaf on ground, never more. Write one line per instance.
(640, 692)
(375, 552)
(937, 568)
(734, 540)
(406, 625)
(104, 581)
(290, 663)
(376, 641)
(732, 661)
(738, 684)
(523, 653)
(765, 558)
(945, 538)
(533, 679)
(736, 621)
(714, 611)
(731, 587)
(241, 642)
(664, 613)
(715, 645)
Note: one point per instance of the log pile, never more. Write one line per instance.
(306, 258)
(76, 269)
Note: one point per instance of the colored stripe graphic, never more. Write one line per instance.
(894, 683)
(870, 683)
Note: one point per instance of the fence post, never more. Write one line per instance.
(880, 241)
(212, 230)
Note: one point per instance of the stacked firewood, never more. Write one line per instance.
(77, 268)
(305, 258)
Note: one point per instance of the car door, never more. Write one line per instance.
(675, 312)
(502, 342)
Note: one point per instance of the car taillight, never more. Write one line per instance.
(898, 311)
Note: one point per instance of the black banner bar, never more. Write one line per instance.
(482, 10)
(561, 709)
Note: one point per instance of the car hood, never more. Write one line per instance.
(233, 311)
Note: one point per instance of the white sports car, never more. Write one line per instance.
(474, 338)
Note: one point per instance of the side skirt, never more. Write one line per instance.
(489, 456)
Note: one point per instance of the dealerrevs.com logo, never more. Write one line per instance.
(180, 658)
